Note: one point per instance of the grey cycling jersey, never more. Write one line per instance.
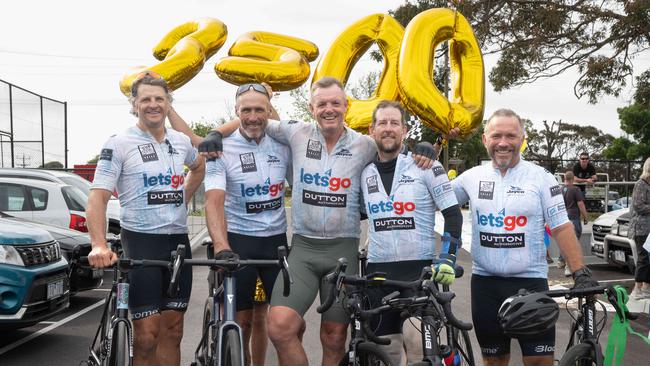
(326, 192)
(508, 217)
(401, 226)
(253, 177)
(149, 177)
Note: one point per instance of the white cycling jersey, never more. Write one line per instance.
(149, 177)
(508, 217)
(400, 226)
(325, 196)
(253, 177)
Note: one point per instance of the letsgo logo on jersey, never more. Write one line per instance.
(509, 223)
(501, 220)
(262, 190)
(174, 180)
(398, 207)
(325, 180)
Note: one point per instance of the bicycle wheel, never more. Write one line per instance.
(368, 354)
(120, 346)
(231, 352)
(581, 354)
(205, 351)
(100, 346)
(463, 347)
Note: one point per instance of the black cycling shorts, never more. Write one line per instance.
(148, 286)
(488, 293)
(391, 322)
(255, 247)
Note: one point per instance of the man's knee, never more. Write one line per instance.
(546, 360)
(501, 360)
(283, 324)
(244, 319)
(171, 326)
(146, 332)
(333, 335)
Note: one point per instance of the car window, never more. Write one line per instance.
(82, 184)
(74, 198)
(13, 198)
(39, 198)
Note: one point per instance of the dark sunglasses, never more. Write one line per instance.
(584, 158)
(255, 86)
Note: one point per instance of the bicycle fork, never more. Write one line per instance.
(585, 328)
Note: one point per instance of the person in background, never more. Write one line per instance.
(575, 208)
(584, 172)
(639, 229)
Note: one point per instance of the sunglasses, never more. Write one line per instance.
(584, 158)
(255, 86)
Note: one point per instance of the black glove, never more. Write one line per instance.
(226, 254)
(212, 142)
(582, 279)
(425, 149)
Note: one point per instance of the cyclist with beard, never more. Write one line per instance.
(511, 200)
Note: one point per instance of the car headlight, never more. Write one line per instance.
(623, 229)
(9, 255)
(614, 229)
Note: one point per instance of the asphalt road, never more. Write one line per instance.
(65, 339)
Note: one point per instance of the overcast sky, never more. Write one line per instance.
(77, 51)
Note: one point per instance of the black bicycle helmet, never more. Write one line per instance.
(527, 314)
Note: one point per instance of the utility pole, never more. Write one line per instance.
(24, 165)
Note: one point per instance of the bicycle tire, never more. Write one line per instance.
(120, 345)
(231, 352)
(368, 354)
(463, 346)
(206, 346)
(582, 354)
(100, 346)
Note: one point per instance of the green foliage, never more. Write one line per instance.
(300, 103)
(93, 160)
(52, 165)
(202, 128)
(544, 38)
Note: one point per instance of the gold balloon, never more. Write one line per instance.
(183, 51)
(346, 50)
(415, 72)
(279, 60)
(452, 174)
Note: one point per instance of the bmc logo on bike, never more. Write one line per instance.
(501, 220)
(324, 180)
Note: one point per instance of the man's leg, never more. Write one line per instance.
(332, 337)
(501, 360)
(486, 300)
(285, 328)
(245, 318)
(259, 337)
(538, 360)
(145, 340)
(168, 349)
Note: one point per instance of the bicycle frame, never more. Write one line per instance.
(584, 327)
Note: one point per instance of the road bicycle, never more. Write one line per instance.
(584, 347)
(113, 341)
(433, 307)
(221, 338)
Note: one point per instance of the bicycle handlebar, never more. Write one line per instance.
(333, 279)
(590, 291)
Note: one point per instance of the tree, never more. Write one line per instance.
(52, 165)
(300, 104)
(537, 39)
(93, 160)
(202, 128)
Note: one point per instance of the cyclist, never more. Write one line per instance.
(245, 204)
(327, 161)
(146, 165)
(511, 199)
(400, 201)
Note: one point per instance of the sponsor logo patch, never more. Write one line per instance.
(556, 210)
(438, 170)
(314, 149)
(257, 207)
(486, 190)
(247, 162)
(292, 122)
(500, 220)
(324, 180)
(515, 191)
(555, 190)
(406, 179)
(394, 223)
(272, 159)
(148, 152)
(373, 185)
(442, 189)
(513, 240)
(106, 154)
(324, 199)
(344, 153)
(165, 197)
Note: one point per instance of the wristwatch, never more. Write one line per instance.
(582, 271)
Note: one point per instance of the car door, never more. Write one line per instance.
(14, 200)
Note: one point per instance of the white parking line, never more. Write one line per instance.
(22, 341)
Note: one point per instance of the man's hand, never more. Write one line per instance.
(101, 257)
(582, 279)
(269, 89)
(226, 254)
(424, 155)
(212, 145)
(585, 221)
(443, 269)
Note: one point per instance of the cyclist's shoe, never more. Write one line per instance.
(443, 269)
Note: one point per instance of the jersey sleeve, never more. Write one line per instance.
(215, 175)
(192, 153)
(109, 167)
(281, 131)
(439, 186)
(552, 201)
(459, 190)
